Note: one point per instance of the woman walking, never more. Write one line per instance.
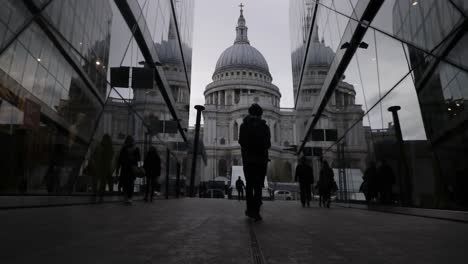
(101, 166)
(127, 166)
(152, 168)
(325, 184)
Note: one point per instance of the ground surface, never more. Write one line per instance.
(216, 231)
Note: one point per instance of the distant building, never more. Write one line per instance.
(242, 77)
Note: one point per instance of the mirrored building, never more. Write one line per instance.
(402, 56)
(56, 101)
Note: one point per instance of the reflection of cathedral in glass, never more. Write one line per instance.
(149, 103)
(173, 66)
(242, 77)
(341, 111)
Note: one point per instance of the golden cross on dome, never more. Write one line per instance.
(241, 6)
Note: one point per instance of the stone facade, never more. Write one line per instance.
(242, 78)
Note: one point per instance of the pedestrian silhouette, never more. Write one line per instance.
(152, 166)
(240, 189)
(387, 179)
(369, 185)
(254, 138)
(101, 166)
(202, 190)
(325, 184)
(305, 177)
(127, 166)
(52, 177)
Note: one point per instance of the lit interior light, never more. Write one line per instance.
(415, 3)
(98, 63)
(450, 109)
(458, 104)
(81, 43)
(38, 59)
(373, 59)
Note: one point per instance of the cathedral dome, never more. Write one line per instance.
(319, 54)
(242, 55)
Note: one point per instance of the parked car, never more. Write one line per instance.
(214, 193)
(283, 195)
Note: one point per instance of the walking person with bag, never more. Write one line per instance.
(128, 167)
(152, 168)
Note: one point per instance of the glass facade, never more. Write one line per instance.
(413, 56)
(56, 101)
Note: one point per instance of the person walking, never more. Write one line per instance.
(240, 189)
(325, 184)
(127, 166)
(305, 177)
(254, 139)
(387, 179)
(101, 166)
(369, 185)
(152, 166)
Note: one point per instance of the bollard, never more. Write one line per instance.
(199, 109)
(404, 179)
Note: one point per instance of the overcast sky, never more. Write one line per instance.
(214, 31)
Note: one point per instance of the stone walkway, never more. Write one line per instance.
(216, 231)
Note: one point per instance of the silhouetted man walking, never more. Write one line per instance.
(240, 189)
(387, 179)
(254, 138)
(305, 177)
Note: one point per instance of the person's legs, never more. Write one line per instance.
(257, 198)
(327, 199)
(249, 178)
(308, 193)
(249, 196)
(303, 194)
(238, 195)
(128, 188)
(102, 188)
(153, 180)
(260, 172)
(147, 188)
(124, 186)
